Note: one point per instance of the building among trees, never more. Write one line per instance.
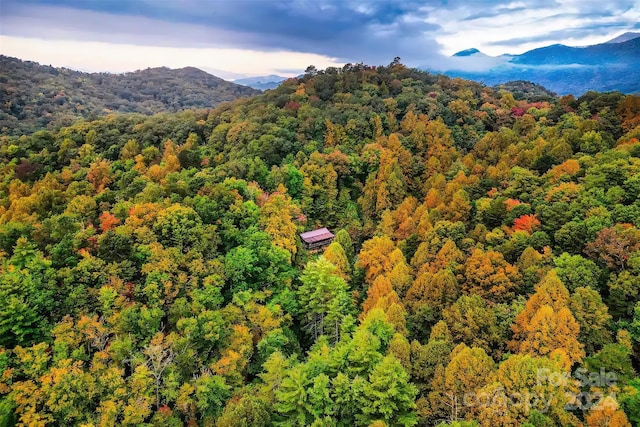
(317, 239)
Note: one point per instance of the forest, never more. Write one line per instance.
(485, 269)
(35, 97)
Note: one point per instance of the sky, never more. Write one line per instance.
(238, 38)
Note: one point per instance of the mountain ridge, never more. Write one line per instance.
(37, 96)
(262, 82)
(629, 35)
(562, 69)
(467, 52)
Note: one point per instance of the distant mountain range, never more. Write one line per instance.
(563, 69)
(36, 96)
(262, 82)
(624, 37)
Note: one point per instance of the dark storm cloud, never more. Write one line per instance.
(371, 31)
(350, 30)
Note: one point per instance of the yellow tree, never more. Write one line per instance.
(526, 377)
(401, 274)
(169, 158)
(129, 150)
(337, 256)
(546, 326)
(99, 174)
(320, 191)
(607, 413)
(375, 257)
(437, 291)
(440, 153)
(140, 398)
(381, 295)
(386, 187)
(468, 371)
(400, 223)
(488, 275)
(472, 322)
(400, 347)
(235, 356)
(449, 256)
(416, 295)
(552, 333)
(276, 218)
(458, 208)
(335, 134)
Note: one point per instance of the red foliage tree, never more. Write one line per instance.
(528, 223)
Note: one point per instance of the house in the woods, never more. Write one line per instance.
(317, 239)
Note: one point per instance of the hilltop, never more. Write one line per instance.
(530, 91)
(37, 96)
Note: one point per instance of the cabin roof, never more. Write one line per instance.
(316, 235)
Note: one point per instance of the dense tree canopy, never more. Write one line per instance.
(487, 246)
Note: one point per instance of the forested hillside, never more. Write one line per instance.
(485, 269)
(35, 96)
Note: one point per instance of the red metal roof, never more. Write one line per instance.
(316, 235)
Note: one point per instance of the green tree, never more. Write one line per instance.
(388, 395)
(179, 226)
(472, 322)
(324, 299)
(246, 409)
(343, 238)
(27, 298)
(576, 271)
(593, 317)
(257, 264)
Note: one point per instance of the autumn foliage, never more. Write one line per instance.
(152, 273)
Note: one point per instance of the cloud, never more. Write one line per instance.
(515, 27)
(64, 23)
(498, 12)
(421, 32)
(351, 30)
(567, 33)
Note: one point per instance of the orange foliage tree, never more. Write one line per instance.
(488, 275)
(607, 413)
(546, 327)
(108, 221)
